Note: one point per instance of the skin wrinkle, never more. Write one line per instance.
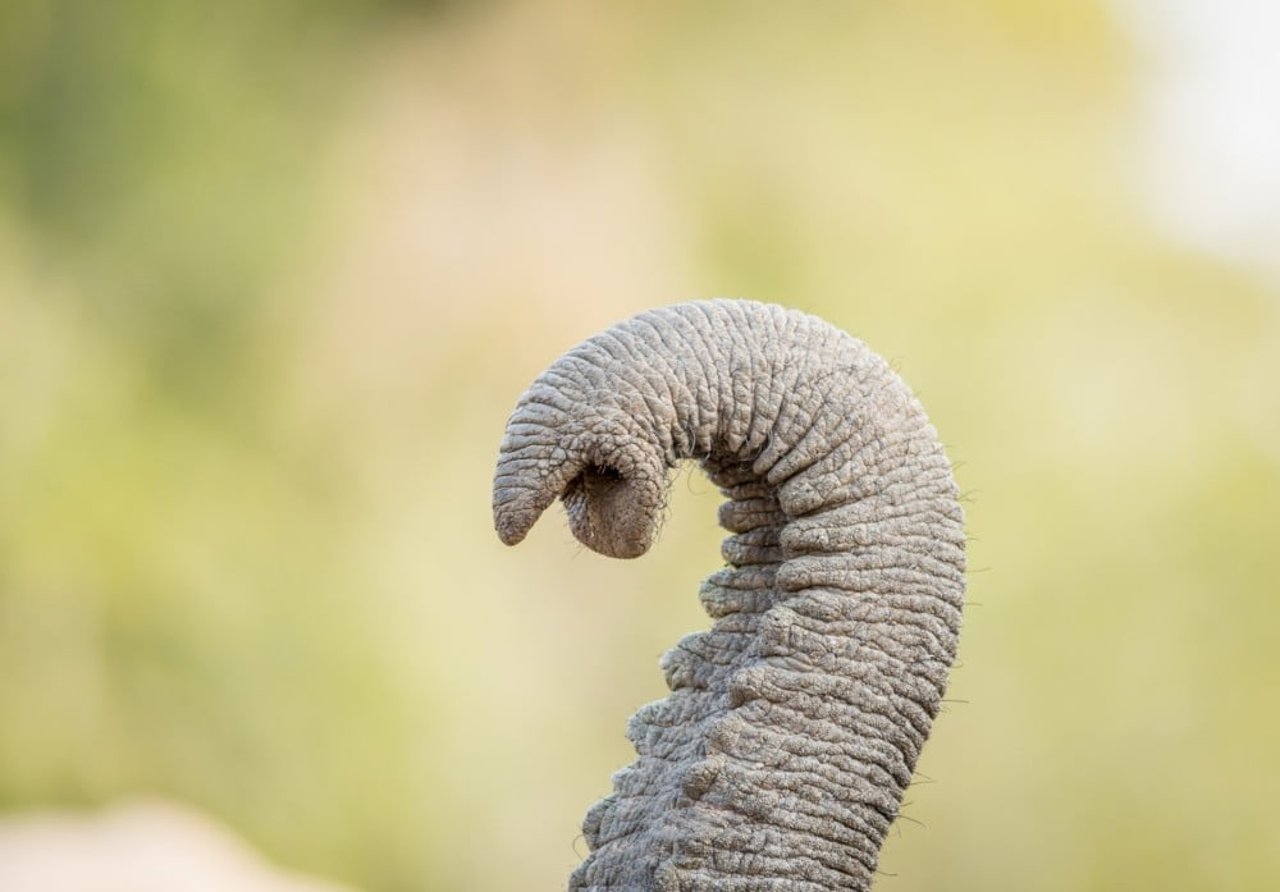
(713, 346)
(841, 453)
(681, 439)
(744, 378)
(691, 351)
(779, 760)
(790, 428)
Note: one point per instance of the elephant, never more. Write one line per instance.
(780, 758)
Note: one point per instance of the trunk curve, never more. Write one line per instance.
(781, 756)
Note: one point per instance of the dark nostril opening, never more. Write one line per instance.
(604, 514)
(592, 474)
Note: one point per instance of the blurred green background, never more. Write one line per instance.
(272, 275)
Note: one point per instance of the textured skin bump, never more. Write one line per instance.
(780, 758)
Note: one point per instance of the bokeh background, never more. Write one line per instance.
(272, 275)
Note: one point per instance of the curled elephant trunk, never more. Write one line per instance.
(792, 730)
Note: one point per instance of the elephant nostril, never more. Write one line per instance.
(594, 476)
(605, 513)
(590, 483)
(605, 473)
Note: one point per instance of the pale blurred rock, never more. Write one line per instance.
(138, 846)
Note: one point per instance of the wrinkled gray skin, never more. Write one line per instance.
(780, 758)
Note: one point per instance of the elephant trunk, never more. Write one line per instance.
(781, 756)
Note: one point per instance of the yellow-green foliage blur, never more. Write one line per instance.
(272, 275)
